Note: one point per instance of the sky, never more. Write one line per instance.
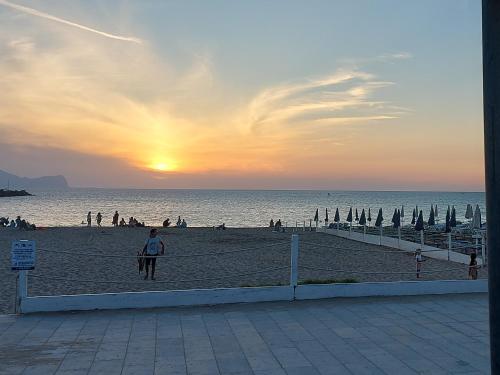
(285, 94)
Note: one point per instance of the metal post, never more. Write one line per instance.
(483, 250)
(381, 232)
(399, 237)
(294, 260)
(449, 245)
(22, 288)
(491, 102)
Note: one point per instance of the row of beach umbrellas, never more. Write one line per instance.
(417, 217)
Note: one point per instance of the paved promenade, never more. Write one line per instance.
(404, 335)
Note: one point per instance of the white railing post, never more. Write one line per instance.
(422, 239)
(22, 288)
(449, 244)
(294, 260)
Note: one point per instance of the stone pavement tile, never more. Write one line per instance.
(290, 357)
(302, 371)
(171, 347)
(106, 367)
(401, 351)
(146, 369)
(233, 364)
(18, 330)
(202, 367)
(364, 369)
(80, 361)
(425, 366)
(452, 365)
(71, 372)
(278, 371)
(389, 364)
(41, 369)
(6, 369)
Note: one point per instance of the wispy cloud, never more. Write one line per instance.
(47, 16)
(341, 98)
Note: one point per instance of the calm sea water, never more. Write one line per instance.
(241, 208)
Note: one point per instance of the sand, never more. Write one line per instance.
(69, 260)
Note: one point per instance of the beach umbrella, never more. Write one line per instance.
(431, 220)
(356, 217)
(316, 216)
(369, 215)
(362, 218)
(420, 222)
(402, 212)
(397, 219)
(453, 219)
(476, 220)
(448, 226)
(349, 216)
(394, 215)
(337, 216)
(468, 212)
(414, 216)
(378, 222)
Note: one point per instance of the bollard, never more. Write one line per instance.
(449, 245)
(294, 260)
(22, 288)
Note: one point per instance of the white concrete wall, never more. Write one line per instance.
(400, 288)
(408, 246)
(130, 300)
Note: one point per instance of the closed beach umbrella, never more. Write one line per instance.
(468, 212)
(362, 218)
(337, 216)
(326, 215)
(436, 211)
(413, 218)
(316, 216)
(378, 222)
(431, 220)
(476, 220)
(349, 216)
(420, 222)
(453, 219)
(402, 211)
(448, 226)
(394, 215)
(397, 219)
(369, 215)
(356, 217)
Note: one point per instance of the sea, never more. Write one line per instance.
(235, 208)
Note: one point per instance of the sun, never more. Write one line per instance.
(163, 166)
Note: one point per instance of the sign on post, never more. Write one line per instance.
(23, 255)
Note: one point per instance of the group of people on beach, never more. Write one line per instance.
(132, 221)
(473, 266)
(179, 224)
(16, 224)
(277, 227)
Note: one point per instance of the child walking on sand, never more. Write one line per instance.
(473, 267)
(418, 261)
(151, 250)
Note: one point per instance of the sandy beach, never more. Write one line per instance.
(74, 260)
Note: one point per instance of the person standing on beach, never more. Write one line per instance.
(151, 251)
(98, 218)
(115, 219)
(418, 261)
(473, 267)
(89, 219)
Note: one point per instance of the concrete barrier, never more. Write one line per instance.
(128, 300)
(399, 288)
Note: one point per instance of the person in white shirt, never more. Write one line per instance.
(151, 251)
(418, 260)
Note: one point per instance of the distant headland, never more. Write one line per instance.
(11, 181)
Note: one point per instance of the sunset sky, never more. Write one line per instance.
(364, 95)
